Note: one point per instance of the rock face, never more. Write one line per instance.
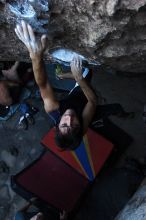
(136, 207)
(111, 31)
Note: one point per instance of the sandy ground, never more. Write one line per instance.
(127, 90)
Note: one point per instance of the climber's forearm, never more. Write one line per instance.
(39, 72)
(87, 90)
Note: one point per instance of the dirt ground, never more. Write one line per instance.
(128, 90)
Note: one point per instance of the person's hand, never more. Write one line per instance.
(38, 216)
(76, 68)
(26, 34)
(63, 215)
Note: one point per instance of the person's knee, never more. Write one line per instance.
(5, 98)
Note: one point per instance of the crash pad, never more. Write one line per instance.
(88, 158)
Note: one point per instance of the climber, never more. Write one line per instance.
(72, 115)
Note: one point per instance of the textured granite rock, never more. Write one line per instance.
(111, 31)
(136, 207)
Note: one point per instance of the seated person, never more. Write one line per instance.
(72, 115)
(11, 83)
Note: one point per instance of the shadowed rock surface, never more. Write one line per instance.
(111, 31)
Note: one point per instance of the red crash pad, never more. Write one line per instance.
(53, 181)
(88, 158)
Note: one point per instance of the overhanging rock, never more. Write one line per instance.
(112, 32)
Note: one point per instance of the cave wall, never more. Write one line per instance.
(110, 31)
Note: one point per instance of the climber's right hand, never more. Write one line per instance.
(26, 34)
